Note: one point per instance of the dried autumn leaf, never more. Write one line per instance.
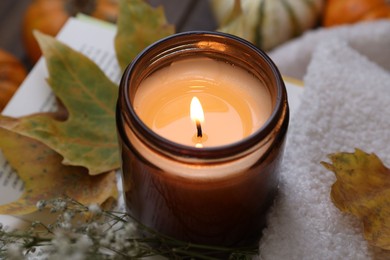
(45, 177)
(88, 136)
(363, 189)
(139, 25)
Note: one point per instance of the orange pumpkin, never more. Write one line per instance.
(339, 12)
(48, 16)
(12, 74)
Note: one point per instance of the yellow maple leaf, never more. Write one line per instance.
(363, 189)
(45, 177)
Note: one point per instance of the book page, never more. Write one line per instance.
(35, 95)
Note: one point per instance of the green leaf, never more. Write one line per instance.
(139, 25)
(45, 177)
(88, 136)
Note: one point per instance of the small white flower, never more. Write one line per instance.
(84, 242)
(67, 216)
(14, 252)
(61, 205)
(94, 229)
(60, 241)
(94, 209)
(130, 228)
(108, 238)
(41, 204)
(66, 225)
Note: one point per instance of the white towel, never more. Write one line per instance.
(345, 105)
(371, 39)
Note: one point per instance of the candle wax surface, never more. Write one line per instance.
(235, 103)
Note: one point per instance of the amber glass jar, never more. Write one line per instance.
(212, 195)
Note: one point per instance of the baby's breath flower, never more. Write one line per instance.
(60, 241)
(83, 243)
(41, 204)
(65, 225)
(35, 223)
(67, 216)
(94, 229)
(108, 238)
(130, 228)
(102, 235)
(94, 209)
(59, 205)
(15, 252)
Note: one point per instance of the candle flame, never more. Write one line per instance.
(196, 111)
(199, 145)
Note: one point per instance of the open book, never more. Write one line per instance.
(95, 39)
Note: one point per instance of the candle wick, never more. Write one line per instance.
(199, 129)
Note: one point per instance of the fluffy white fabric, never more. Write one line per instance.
(345, 105)
(371, 39)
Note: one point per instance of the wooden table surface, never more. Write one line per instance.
(185, 14)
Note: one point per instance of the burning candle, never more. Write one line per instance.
(236, 104)
(201, 120)
(197, 116)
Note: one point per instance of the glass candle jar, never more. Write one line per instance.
(214, 188)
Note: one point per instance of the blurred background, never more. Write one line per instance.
(185, 14)
(11, 16)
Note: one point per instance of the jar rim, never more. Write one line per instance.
(280, 106)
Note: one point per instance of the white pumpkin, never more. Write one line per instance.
(267, 23)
